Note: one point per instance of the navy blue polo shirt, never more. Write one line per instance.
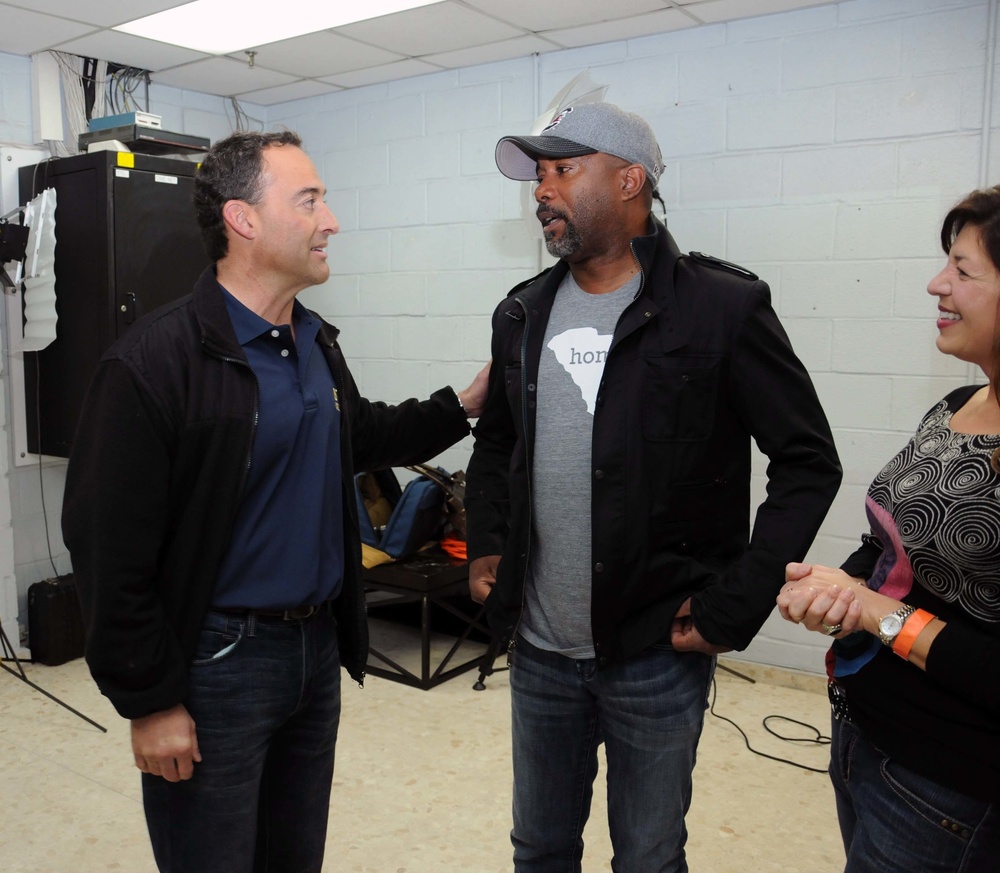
(287, 545)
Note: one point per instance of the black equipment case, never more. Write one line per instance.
(55, 621)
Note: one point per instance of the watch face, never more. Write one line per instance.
(890, 625)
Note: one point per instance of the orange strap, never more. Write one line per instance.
(455, 547)
(911, 630)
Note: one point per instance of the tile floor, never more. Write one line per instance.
(422, 782)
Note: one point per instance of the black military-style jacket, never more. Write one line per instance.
(698, 367)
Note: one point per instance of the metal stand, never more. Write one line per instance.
(8, 654)
(430, 580)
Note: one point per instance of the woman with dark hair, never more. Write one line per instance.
(915, 612)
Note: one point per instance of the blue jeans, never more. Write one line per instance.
(648, 711)
(894, 821)
(265, 699)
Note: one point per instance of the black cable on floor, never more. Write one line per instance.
(818, 739)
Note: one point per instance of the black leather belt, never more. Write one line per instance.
(296, 613)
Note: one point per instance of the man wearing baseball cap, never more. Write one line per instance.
(609, 491)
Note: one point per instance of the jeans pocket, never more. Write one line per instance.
(945, 811)
(844, 740)
(216, 645)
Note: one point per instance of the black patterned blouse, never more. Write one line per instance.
(934, 512)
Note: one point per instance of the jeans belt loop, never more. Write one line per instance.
(301, 612)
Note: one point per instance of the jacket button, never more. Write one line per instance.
(598, 474)
(531, 386)
(602, 662)
(599, 567)
(531, 404)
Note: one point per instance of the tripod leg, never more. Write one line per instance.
(20, 674)
(486, 667)
(736, 673)
(41, 690)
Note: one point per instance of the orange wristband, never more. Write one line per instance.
(911, 630)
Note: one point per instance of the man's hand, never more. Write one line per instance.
(473, 398)
(482, 577)
(165, 744)
(684, 636)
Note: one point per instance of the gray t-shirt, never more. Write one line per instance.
(577, 338)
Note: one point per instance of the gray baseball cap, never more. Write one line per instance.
(583, 130)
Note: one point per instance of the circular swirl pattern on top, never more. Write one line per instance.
(969, 535)
(944, 499)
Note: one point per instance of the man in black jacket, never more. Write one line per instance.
(609, 491)
(211, 519)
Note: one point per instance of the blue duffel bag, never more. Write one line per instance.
(398, 521)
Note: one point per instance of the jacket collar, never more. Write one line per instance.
(217, 331)
(658, 256)
(657, 250)
(216, 327)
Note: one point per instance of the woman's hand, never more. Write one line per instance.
(823, 599)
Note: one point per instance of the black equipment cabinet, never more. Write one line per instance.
(126, 242)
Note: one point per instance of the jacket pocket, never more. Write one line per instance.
(678, 398)
(512, 385)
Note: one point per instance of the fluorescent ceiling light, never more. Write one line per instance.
(220, 27)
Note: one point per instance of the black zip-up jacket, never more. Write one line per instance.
(156, 476)
(698, 367)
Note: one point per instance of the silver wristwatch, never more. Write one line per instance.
(890, 625)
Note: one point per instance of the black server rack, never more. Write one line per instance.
(126, 243)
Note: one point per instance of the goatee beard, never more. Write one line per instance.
(567, 244)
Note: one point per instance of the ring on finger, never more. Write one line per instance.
(832, 629)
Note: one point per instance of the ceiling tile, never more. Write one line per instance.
(23, 32)
(449, 34)
(386, 73)
(222, 76)
(124, 48)
(626, 28)
(319, 54)
(442, 27)
(535, 16)
(714, 11)
(292, 91)
(105, 12)
(519, 47)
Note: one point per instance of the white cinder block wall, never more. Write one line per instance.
(820, 148)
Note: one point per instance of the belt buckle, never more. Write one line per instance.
(300, 612)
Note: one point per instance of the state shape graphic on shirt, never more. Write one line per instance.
(582, 351)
